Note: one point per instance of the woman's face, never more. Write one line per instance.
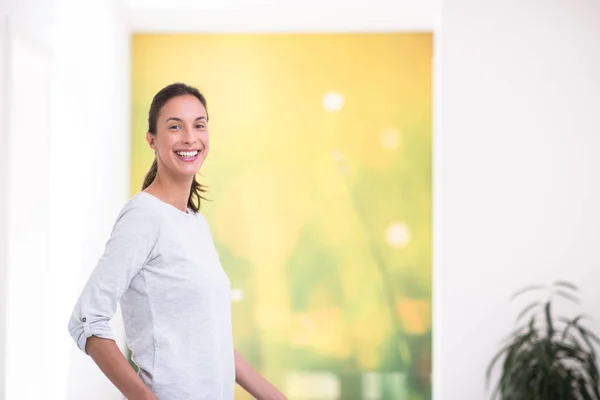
(181, 140)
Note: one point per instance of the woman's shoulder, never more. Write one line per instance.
(138, 210)
(138, 201)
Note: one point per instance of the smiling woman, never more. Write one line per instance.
(161, 264)
(179, 112)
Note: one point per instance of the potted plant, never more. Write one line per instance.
(547, 357)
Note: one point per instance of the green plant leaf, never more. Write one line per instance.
(575, 354)
(518, 374)
(592, 371)
(568, 296)
(588, 337)
(544, 352)
(573, 341)
(556, 383)
(526, 289)
(567, 285)
(549, 323)
(595, 386)
(526, 310)
(585, 363)
(555, 360)
(509, 350)
(517, 332)
(570, 324)
(512, 362)
(492, 364)
(569, 385)
(589, 334)
(583, 389)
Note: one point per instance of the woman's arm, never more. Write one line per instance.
(129, 247)
(115, 366)
(253, 382)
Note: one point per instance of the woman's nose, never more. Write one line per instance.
(189, 136)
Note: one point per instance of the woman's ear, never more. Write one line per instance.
(150, 140)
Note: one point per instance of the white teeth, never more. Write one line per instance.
(187, 153)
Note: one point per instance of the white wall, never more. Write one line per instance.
(3, 199)
(34, 18)
(68, 91)
(516, 171)
(29, 68)
(199, 16)
(25, 86)
(515, 164)
(90, 164)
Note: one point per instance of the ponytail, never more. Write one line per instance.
(151, 174)
(195, 193)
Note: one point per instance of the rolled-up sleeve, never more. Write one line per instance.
(128, 249)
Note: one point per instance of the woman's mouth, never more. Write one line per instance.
(189, 155)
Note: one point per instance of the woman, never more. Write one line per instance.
(161, 264)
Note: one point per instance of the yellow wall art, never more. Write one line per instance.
(319, 199)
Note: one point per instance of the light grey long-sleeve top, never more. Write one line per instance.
(162, 265)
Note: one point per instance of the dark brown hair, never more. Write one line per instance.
(159, 100)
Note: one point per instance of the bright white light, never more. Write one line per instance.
(175, 4)
(196, 4)
(312, 385)
(397, 235)
(337, 156)
(237, 295)
(390, 139)
(333, 101)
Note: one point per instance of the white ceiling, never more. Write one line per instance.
(280, 15)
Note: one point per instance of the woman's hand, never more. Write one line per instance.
(253, 382)
(276, 396)
(115, 366)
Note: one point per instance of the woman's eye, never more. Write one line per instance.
(175, 127)
(200, 126)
